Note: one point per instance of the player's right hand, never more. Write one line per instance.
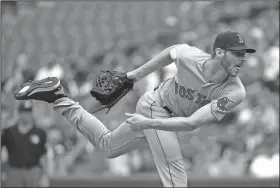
(137, 122)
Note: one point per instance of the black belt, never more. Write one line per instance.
(165, 107)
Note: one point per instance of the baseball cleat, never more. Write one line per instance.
(48, 90)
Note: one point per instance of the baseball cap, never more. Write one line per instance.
(231, 41)
(25, 106)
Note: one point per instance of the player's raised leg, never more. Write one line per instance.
(118, 142)
(115, 143)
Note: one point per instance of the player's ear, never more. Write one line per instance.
(220, 53)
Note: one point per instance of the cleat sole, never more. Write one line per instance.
(44, 85)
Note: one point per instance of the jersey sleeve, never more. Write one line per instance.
(188, 52)
(226, 102)
(176, 51)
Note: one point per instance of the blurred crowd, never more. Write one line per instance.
(245, 142)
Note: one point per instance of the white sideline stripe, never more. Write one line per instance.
(45, 89)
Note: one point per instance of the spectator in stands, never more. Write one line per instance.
(52, 68)
(4, 114)
(271, 60)
(25, 145)
(232, 164)
(271, 69)
(20, 73)
(119, 166)
(9, 9)
(266, 163)
(55, 153)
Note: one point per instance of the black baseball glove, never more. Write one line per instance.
(110, 87)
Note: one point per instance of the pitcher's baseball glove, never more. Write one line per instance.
(110, 87)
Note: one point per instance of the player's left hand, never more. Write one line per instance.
(137, 122)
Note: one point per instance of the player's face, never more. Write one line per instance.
(25, 118)
(234, 61)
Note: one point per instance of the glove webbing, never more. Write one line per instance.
(116, 100)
